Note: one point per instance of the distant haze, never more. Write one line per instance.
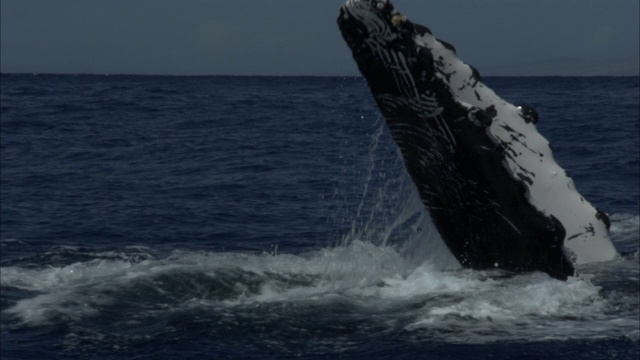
(568, 66)
(300, 37)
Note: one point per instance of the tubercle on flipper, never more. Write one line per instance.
(529, 114)
(448, 46)
(475, 73)
(604, 217)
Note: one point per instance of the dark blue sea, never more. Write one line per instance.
(148, 217)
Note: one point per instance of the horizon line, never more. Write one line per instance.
(277, 76)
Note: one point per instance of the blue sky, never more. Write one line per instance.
(300, 37)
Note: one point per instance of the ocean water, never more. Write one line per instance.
(262, 217)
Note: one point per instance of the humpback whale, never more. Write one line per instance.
(486, 175)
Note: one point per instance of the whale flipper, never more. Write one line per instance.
(487, 177)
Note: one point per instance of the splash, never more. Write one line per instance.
(353, 282)
(390, 212)
(390, 273)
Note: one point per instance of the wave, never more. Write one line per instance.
(382, 284)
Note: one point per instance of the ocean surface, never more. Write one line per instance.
(148, 217)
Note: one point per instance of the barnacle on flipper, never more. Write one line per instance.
(398, 19)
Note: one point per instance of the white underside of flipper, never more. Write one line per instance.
(550, 190)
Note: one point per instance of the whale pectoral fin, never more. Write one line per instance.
(472, 155)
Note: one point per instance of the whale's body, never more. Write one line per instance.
(487, 177)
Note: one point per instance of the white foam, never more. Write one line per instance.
(525, 308)
(375, 278)
(625, 228)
